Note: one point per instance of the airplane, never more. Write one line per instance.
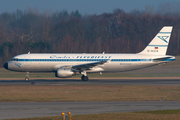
(66, 65)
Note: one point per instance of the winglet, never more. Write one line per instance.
(159, 45)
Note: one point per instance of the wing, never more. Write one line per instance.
(87, 66)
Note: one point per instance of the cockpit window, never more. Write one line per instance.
(14, 59)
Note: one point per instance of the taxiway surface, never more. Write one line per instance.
(93, 82)
(42, 109)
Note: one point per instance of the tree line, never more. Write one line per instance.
(63, 32)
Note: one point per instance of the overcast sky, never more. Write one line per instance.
(83, 6)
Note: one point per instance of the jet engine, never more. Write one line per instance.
(64, 73)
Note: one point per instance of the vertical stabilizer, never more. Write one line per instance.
(159, 44)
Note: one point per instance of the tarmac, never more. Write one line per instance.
(42, 109)
(95, 81)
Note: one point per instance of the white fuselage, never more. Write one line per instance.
(115, 62)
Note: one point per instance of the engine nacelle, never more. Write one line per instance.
(64, 73)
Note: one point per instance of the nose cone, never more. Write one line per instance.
(6, 65)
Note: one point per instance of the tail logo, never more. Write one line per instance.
(163, 38)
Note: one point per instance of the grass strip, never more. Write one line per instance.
(65, 93)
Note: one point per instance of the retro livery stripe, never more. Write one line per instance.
(82, 60)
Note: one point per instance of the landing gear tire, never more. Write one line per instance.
(84, 78)
(26, 79)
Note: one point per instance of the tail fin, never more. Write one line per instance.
(159, 45)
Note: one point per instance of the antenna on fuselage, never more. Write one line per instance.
(103, 52)
(29, 52)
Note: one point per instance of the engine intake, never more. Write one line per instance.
(64, 73)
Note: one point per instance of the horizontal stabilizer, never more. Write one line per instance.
(164, 59)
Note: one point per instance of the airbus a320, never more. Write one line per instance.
(66, 65)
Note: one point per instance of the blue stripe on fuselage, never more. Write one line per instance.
(83, 60)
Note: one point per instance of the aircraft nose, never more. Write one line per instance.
(6, 65)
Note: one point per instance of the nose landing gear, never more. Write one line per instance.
(27, 77)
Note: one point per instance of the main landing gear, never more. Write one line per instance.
(27, 77)
(84, 77)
